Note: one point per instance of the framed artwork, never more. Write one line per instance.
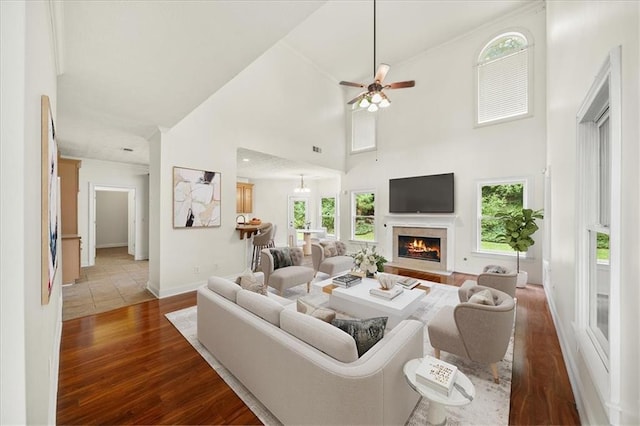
(49, 200)
(196, 198)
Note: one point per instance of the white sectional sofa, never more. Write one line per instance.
(306, 371)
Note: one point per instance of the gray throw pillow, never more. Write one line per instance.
(366, 332)
(329, 248)
(281, 258)
(249, 281)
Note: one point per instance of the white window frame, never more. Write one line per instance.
(605, 92)
(530, 80)
(358, 118)
(353, 215)
(336, 214)
(527, 189)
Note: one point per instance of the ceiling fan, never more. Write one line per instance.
(374, 97)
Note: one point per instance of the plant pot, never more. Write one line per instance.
(523, 277)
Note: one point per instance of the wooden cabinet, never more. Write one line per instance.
(69, 171)
(244, 197)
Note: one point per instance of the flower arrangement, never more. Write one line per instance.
(367, 260)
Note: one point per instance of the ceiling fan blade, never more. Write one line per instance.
(383, 69)
(400, 84)
(348, 83)
(356, 99)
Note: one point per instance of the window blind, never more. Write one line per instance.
(503, 87)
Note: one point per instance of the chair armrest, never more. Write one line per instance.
(317, 255)
(266, 264)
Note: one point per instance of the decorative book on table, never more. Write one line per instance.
(347, 280)
(408, 282)
(387, 294)
(436, 374)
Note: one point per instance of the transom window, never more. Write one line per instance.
(363, 131)
(495, 197)
(363, 215)
(504, 78)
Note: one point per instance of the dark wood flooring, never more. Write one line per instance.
(131, 366)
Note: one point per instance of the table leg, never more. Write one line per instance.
(307, 243)
(436, 415)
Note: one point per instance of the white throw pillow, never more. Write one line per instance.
(483, 297)
(249, 281)
(324, 314)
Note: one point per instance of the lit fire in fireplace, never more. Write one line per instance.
(424, 248)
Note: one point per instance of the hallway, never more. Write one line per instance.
(115, 281)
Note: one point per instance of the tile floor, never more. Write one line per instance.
(116, 280)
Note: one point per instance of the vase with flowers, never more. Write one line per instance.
(369, 261)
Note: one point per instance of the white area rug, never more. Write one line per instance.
(490, 405)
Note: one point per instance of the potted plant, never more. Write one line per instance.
(519, 226)
(369, 261)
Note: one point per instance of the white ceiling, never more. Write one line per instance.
(129, 68)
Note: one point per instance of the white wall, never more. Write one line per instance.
(30, 337)
(111, 219)
(580, 36)
(113, 174)
(208, 138)
(430, 129)
(13, 382)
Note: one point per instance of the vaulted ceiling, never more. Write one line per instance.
(129, 68)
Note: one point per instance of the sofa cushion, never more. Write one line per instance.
(329, 248)
(223, 287)
(366, 332)
(319, 334)
(281, 258)
(264, 307)
(483, 297)
(324, 314)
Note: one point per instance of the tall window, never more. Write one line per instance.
(503, 80)
(363, 212)
(363, 131)
(495, 197)
(328, 214)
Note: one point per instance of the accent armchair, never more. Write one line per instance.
(282, 268)
(330, 257)
(505, 282)
(478, 329)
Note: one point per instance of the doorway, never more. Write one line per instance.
(112, 223)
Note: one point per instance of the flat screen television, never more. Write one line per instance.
(422, 194)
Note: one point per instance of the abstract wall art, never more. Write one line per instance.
(49, 200)
(196, 198)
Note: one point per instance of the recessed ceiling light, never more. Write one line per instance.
(246, 159)
(127, 149)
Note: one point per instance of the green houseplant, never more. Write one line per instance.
(519, 226)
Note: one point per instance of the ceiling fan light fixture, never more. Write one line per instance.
(372, 108)
(384, 103)
(364, 103)
(376, 98)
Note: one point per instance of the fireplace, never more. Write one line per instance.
(424, 248)
(420, 247)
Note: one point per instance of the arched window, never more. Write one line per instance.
(504, 78)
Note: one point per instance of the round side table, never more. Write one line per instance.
(437, 414)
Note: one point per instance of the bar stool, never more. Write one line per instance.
(260, 241)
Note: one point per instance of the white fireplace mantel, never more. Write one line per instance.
(446, 221)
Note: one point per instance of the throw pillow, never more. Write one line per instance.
(249, 281)
(281, 258)
(329, 247)
(324, 314)
(366, 332)
(495, 269)
(483, 297)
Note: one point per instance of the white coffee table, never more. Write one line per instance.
(462, 394)
(358, 302)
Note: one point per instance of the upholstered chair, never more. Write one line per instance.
(282, 268)
(505, 282)
(261, 240)
(330, 257)
(477, 329)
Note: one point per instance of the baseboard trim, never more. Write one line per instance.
(161, 294)
(112, 245)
